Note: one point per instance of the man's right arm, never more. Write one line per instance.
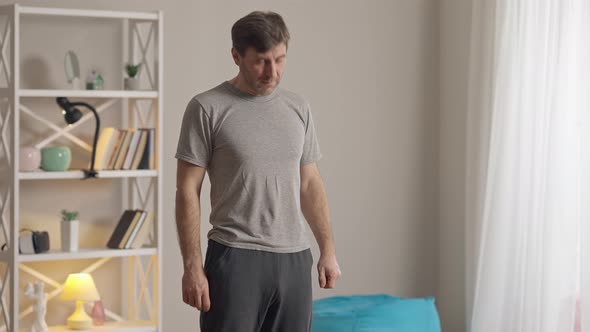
(195, 288)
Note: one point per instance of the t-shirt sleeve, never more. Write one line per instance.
(311, 146)
(195, 142)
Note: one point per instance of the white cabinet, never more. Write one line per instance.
(139, 270)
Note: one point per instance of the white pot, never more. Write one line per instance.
(69, 235)
(131, 83)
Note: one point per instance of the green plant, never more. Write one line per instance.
(69, 215)
(132, 69)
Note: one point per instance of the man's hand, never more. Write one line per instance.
(328, 271)
(195, 289)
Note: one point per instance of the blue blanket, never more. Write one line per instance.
(375, 313)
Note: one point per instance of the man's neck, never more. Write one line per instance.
(239, 83)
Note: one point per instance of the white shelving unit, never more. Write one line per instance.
(80, 174)
(130, 326)
(89, 93)
(86, 253)
(142, 189)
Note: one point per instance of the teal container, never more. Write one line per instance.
(56, 158)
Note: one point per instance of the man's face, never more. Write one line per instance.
(262, 71)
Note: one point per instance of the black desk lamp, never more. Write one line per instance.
(72, 115)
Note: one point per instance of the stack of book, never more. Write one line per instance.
(125, 149)
(132, 231)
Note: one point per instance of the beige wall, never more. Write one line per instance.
(455, 23)
(370, 71)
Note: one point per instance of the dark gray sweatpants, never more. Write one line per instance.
(257, 291)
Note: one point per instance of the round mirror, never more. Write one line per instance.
(72, 66)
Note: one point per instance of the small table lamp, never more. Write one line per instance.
(79, 287)
(72, 115)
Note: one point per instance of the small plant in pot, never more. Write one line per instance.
(132, 82)
(69, 230)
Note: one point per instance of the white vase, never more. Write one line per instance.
(131, 83)
(69, 235)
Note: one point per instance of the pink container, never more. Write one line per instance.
(30, 159)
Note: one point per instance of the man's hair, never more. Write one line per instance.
(260, 30)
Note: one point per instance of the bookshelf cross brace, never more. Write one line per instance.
(65, 131)
(3, 43)
(143, 46)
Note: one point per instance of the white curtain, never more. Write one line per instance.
(528, 162)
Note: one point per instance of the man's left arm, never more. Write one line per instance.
(314, 205)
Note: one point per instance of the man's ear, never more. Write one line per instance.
(236, 55)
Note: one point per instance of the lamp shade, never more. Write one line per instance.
(71, 113)
(79, 287)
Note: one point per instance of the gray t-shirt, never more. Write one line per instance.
(252, 147)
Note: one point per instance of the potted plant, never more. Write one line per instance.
(69, 230)
(132, 82)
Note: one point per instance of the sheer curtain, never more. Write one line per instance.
(528, 183)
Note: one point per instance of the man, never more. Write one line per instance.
(259, 146)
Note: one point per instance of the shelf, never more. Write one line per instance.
(126, 326)
(78, 174)
(88, 13)
(141, 40)
(55, 255)
(147, 94)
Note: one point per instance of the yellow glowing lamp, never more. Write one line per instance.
(79, 287)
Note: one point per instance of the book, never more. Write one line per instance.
(136, 229)
(116, 149)
(121, 228)
(147, 160)
(143, 232)
(124, 148)
(139, 149)
(104, 147)
(129, 230)
(131, 151)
